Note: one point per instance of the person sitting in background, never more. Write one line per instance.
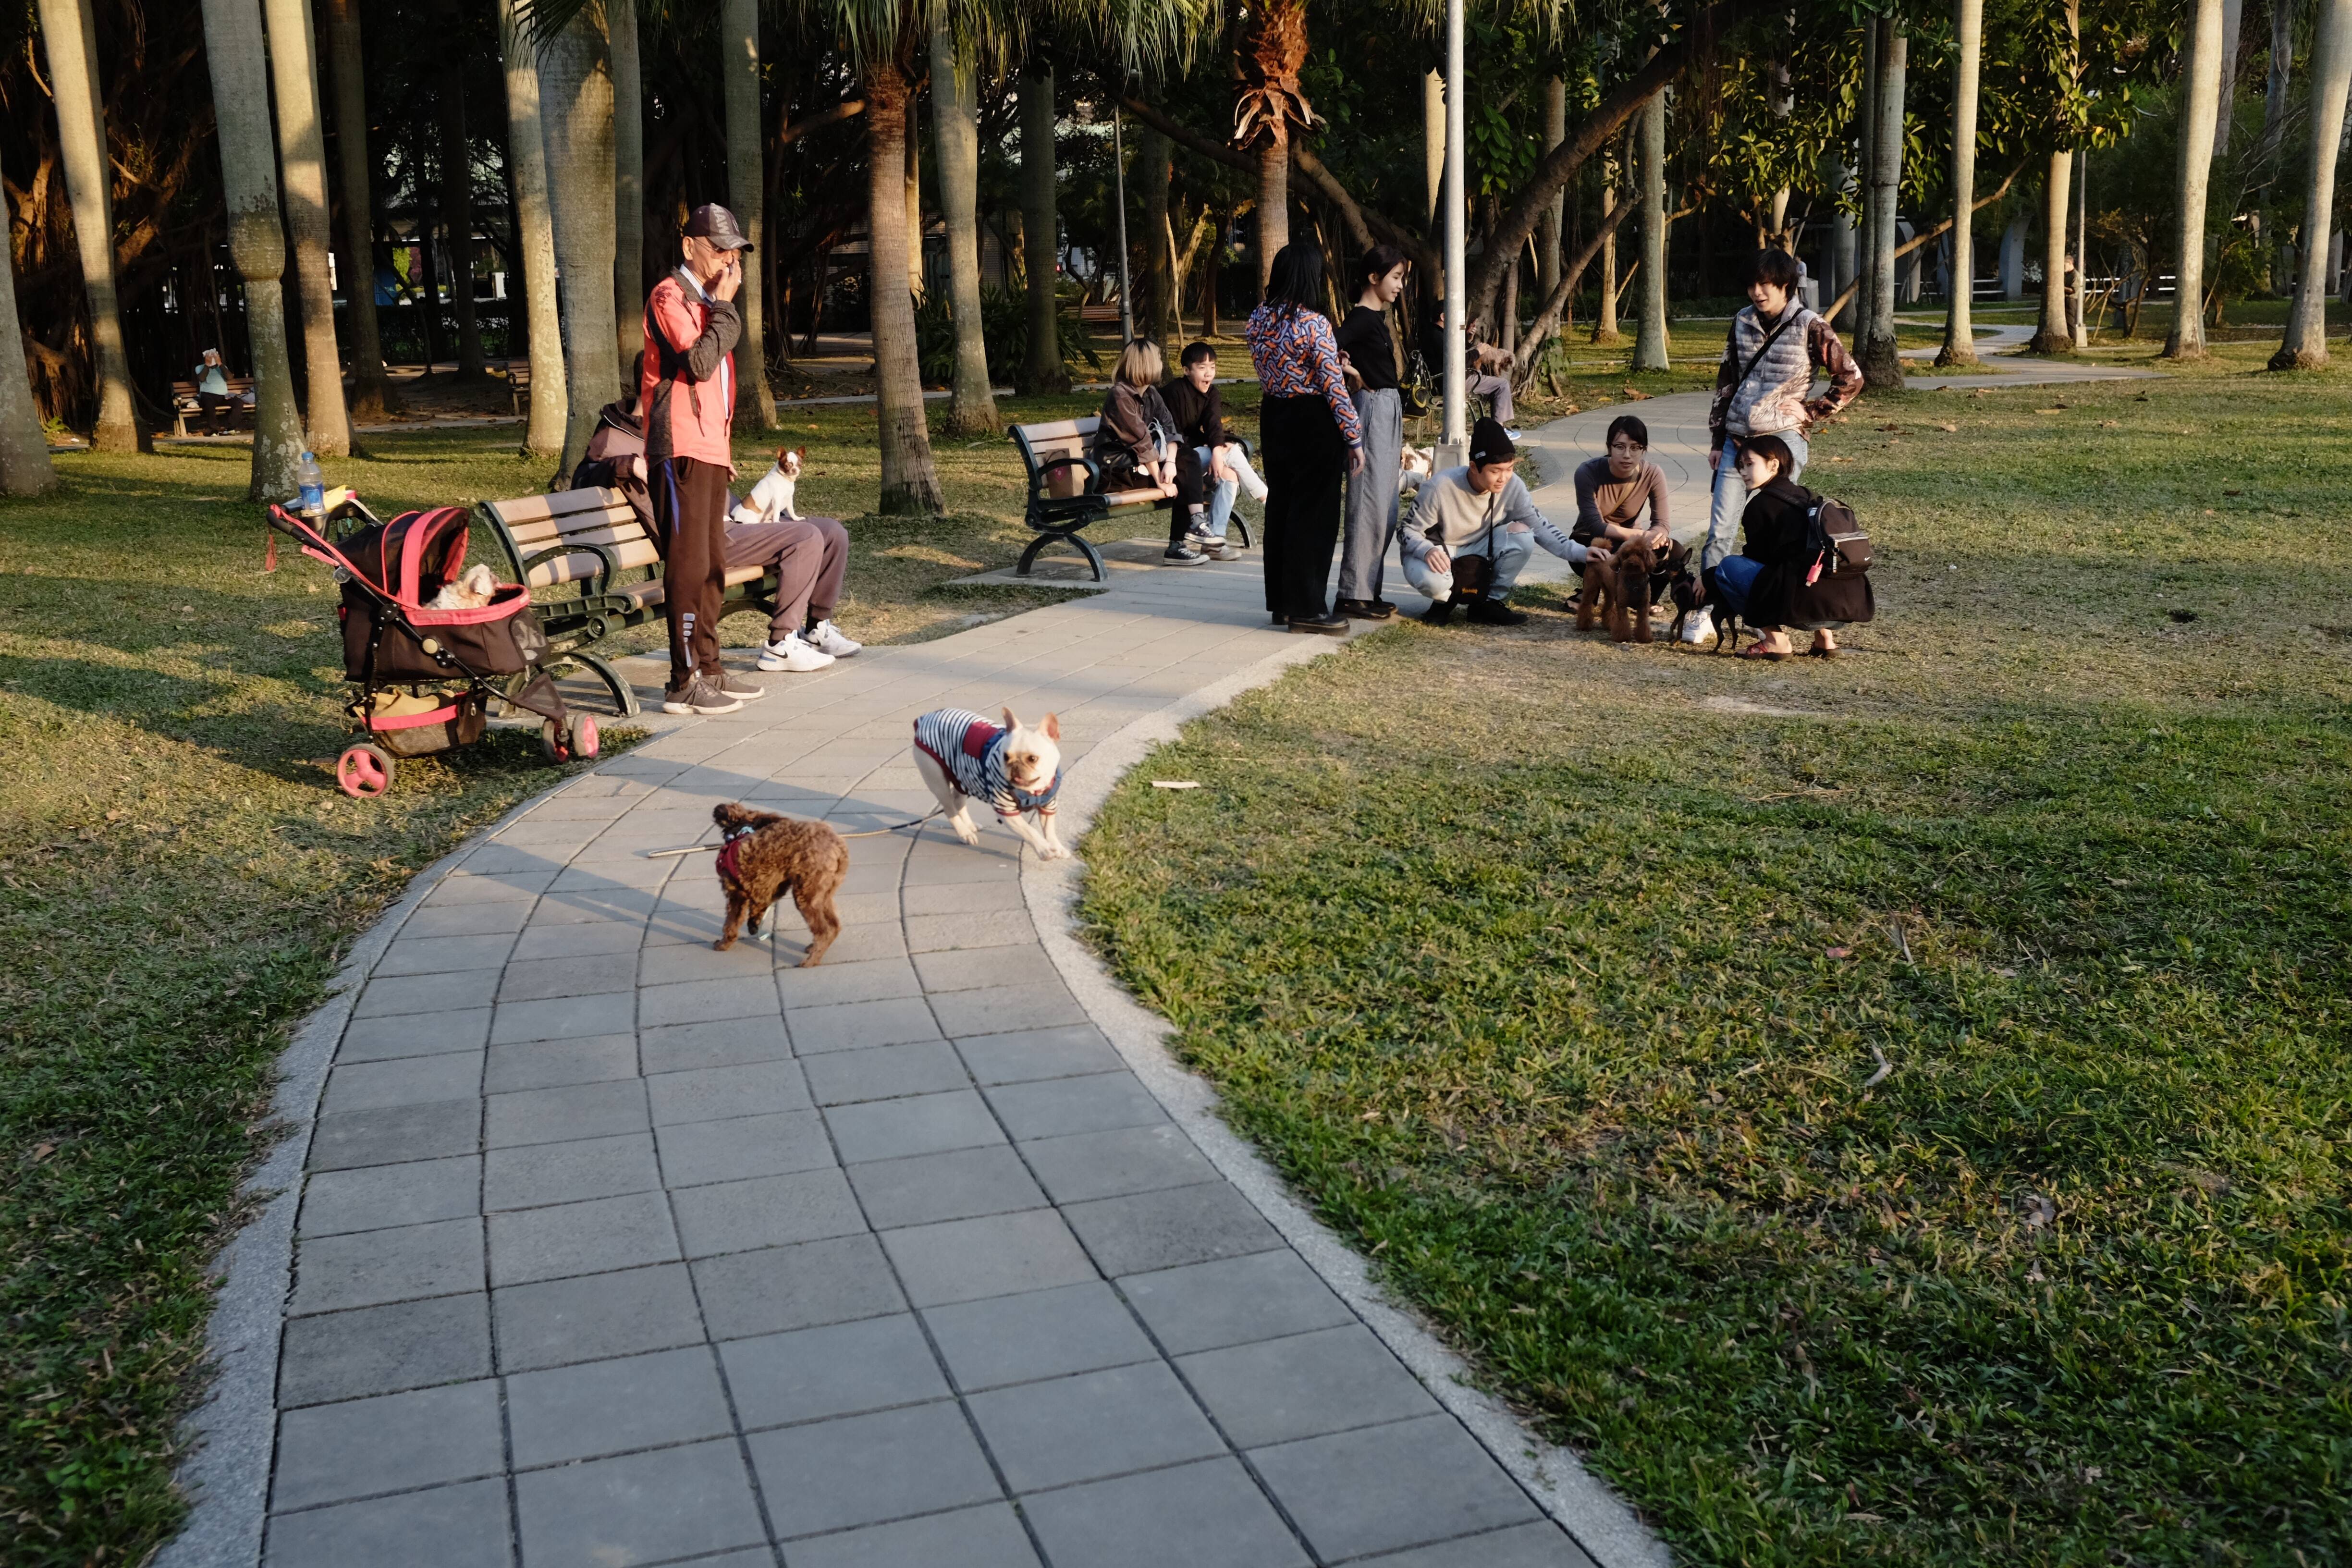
(1488, 372)
(1477, 524)
(1775, 581)
(1200, 412)
(212, 390)
(1613, 491)
(810, 554)
(1136, 444)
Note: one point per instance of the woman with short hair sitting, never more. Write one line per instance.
(1136, 444)
(1780, 581)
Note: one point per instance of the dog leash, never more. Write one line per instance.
(863, 833)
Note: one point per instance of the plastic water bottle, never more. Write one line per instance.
(313, 502)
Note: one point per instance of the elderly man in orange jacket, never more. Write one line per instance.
(687, 396)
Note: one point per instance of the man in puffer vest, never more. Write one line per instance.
(687, 391)
(1776, 344)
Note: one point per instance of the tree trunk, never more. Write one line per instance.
(69, 34)
(2275, 89)
(1882, 365)
(2054, 335)
(917, 282)
(2305, 346)
(1865, 298)
(1959, 332)
(2233, 15)
(911, 483)
(1649, 331)
(302, 152)
(542, 435)
(2200, 101)
(1555, 132)
(457, 202)
(1208, 276)
(256, 241)
(371, 398)
(955, 133)
(1843, 266)
(1040, 233)
(1154, 167)
(427, 271)
(1604, 319)
(746, 193)
(25, 466)
(575, 85)
(629, 203)
(1272, 206)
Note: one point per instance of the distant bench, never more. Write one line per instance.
(593, 538)
(518, 386)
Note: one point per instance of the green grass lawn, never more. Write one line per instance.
(178, 879)
(1559, 975)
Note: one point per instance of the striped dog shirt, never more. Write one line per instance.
(971, 750)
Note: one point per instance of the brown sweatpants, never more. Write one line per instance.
(811, 556)
(690, 514)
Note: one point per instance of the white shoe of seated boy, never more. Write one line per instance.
(827, 638)
(790, 654)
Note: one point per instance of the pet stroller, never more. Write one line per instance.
(427, 677)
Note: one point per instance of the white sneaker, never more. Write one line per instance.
(1700, 627)
(827, 638)
(790, 653)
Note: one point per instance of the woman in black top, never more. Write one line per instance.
(1369, 357)
(1778, 527)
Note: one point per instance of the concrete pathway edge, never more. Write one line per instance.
(231, 1436)
(1583, 1506)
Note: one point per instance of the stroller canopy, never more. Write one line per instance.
(405, 561)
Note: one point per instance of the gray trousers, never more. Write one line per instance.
(1372, 494)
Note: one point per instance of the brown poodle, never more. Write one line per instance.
(1624, 584)
(764, 856)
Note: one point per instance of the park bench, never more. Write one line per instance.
(1065, 494)
(1099, 315)
(593, 538)
(186, 408)
(518, 386)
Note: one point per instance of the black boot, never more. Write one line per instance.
(1440, 611)
(1496, 612)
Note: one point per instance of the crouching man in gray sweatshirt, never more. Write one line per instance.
(1481, 511)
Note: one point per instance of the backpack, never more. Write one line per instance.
(1836, 539)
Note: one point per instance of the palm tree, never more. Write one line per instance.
(629, 189)
(25, 466)
(71, 36)
(1650, 332)
(1270, 103)
(457, 201)
(911, 482)
(955, 130)
(302, 153)
(1555, 132)
(370, 398)
(1959, 332)
(1040, 232)
(576, 86)
(2055, 333)
(233, 52)
(739, 35)
(1882, 361)
(1159, 319)
(2201, 94)
(543, 436)
(2305, 346)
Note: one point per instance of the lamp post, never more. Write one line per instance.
(1118, 178)
(1457, 425)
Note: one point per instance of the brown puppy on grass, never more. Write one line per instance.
(1624, 583)
(764, 856)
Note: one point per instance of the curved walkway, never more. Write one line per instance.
(607, 1249)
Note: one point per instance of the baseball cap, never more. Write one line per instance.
(1490, 443)
(716, 224)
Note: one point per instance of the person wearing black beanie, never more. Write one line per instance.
(1472, 531)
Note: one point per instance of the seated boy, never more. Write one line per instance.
(1200, 414)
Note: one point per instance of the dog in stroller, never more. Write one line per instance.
(426, 668)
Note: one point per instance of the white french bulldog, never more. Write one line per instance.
(964, 757)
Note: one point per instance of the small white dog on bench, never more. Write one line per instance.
(964, 757)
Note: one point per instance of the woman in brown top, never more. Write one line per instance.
(1611, 491)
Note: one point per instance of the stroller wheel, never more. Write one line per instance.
(555, 741)
(581, 732)
(364, 771)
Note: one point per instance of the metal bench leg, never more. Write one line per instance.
(1242, 523)
(625, 696)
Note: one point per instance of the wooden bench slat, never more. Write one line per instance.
(650, 592)
(574, 568)
(591, 529)
(564, 503)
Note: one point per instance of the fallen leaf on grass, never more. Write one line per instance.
(2060, 409)
(1841, 458)
(2107, 424)
(1841, 952)
(2039, 1212)
(1948, 428)
(1636, 394)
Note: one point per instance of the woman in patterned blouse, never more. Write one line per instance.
(1311, 436)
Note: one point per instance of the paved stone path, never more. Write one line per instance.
(612, 1249)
